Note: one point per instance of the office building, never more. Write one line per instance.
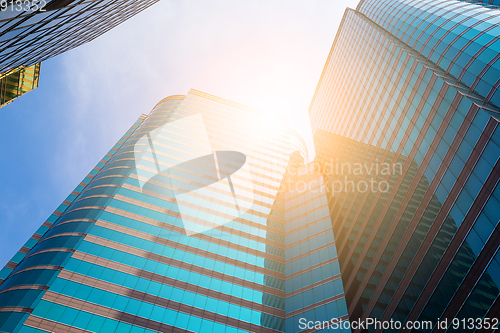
(205, 216)
(184, 226)
(17, 82)
(416, 82)
(35, 31)
(314, 293)
(489, 3)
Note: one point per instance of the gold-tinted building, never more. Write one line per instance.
(17, 82)
(34, 31)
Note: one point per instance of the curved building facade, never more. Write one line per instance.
(172, 231)
(181, 227)
(461, 38)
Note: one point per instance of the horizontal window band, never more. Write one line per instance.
(315, 305)
(59, 249)
(16, 309)
(200, 208)
(308, 269)
(44, 267)
(212, 212)
(302, 255)
(97, 186)
(25, 250)
(153, 299)
(52, 326)
(25, 286)
(171, 198)
(309, 238)
(81, 208)
(217, 140)
(295, 193)
(75, 234)
(303, 215)
(229, 194)
(314, 285)
(202, 253)
(150, 324)
(187, 171)
(11, 265)
(188, 266)
(92, 196)
(178, 230)
(191, 172)
(134, 176)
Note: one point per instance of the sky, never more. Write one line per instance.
(266, 54)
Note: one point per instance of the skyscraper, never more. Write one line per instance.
(31, 32)
(489, 3)
(34, 31)
(416, 82)
(185, 225)
(314, 294)
(205, 216)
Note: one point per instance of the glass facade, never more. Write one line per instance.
(459, 38)
(415, 82)
(314, 294)
(181, 227)
(33, 31)
(204, 216)
(488, 3)
(17, 82)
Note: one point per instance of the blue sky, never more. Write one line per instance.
(267, 54)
